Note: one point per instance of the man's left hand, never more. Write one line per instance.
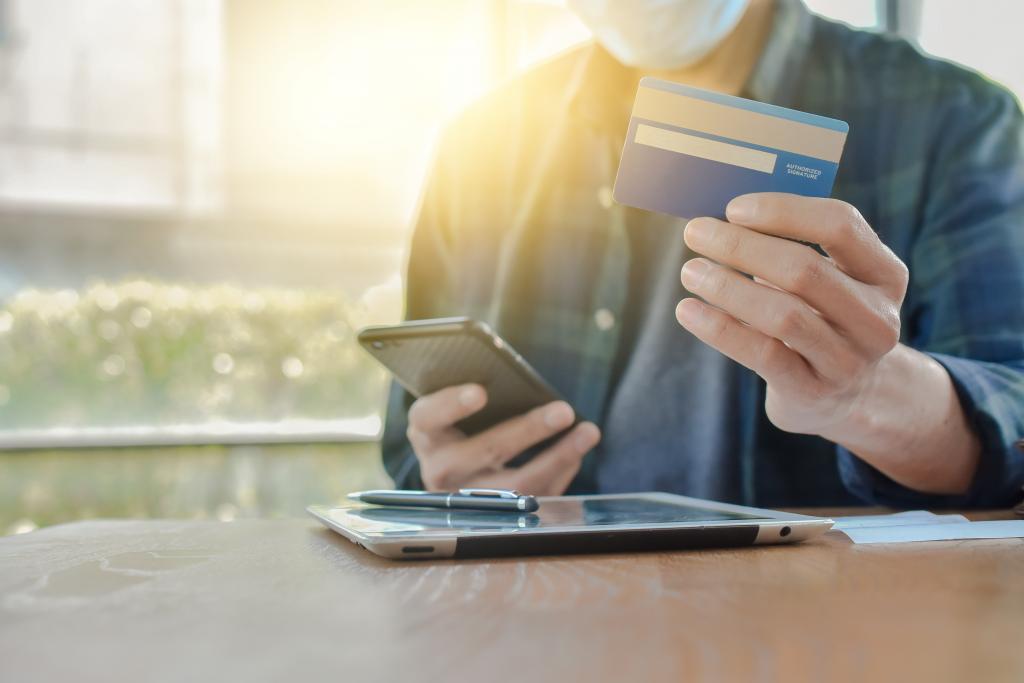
(814, 327)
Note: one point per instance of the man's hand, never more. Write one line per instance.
(814, 327)
(450, 460)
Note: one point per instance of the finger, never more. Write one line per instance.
(836, 225)
(768, 357)
(789, 265)
(463, 458)
(775, 313)
(492, 448)
(862, 312)
(442, 409)
(551, 472)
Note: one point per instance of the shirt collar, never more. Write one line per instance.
(601, 90)
(777, 71)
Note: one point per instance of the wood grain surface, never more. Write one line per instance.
(288, 601)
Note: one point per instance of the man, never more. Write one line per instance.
(888, 369)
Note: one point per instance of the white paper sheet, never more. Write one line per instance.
(955, 531)
(921, 525)
(912, 517)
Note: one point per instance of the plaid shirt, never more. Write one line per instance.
(517, 228)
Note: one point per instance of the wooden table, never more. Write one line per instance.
(288, 601)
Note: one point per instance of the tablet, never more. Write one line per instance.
(566, 524)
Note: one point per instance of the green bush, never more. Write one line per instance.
(147, 353)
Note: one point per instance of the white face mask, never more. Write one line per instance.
(659, 34)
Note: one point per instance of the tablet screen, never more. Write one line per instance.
(553, 513)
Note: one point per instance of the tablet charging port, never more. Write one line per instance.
(417, 549)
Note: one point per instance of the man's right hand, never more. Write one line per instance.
(451, 460)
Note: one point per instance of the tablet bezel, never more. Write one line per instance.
(772, 526)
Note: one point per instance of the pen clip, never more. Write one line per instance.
(491, 493)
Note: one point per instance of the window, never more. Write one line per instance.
(859, 13)
(988, 40)
(109, 104)
(200, 202)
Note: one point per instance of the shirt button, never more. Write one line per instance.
(604, 319)
(604, 197)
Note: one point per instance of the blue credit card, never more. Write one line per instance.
(688, 151)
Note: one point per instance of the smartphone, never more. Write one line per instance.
(428, 355)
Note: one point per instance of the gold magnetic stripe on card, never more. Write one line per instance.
(739, 124)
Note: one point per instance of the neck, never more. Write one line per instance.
(727, 68)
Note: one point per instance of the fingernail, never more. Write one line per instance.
(469, 396)
(693, 273)
(584, 440)
(689, 312)
(558, 415)
(697, 232)
(741, 209)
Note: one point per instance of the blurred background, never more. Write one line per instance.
(202, 200)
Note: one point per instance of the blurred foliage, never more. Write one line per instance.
(40, 488)
(141, 352)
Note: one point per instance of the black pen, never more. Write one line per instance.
(464, 499)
